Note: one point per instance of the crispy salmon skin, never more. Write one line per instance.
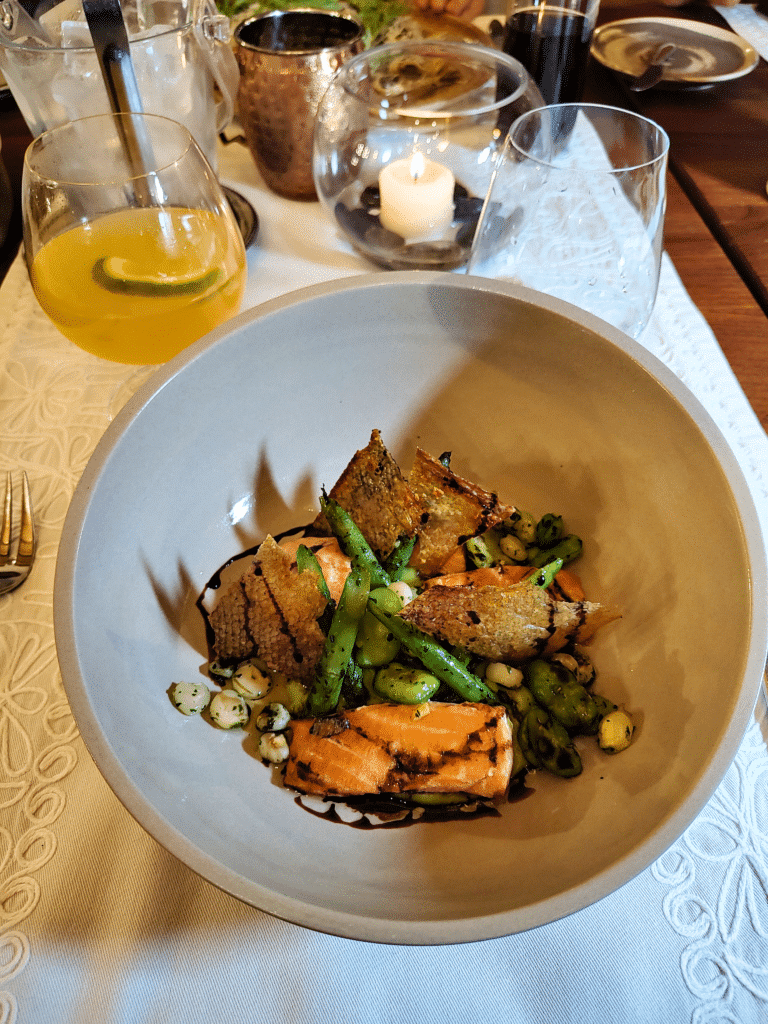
(403, 748)
(512, 623)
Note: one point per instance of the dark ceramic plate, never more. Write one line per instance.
(705, 54)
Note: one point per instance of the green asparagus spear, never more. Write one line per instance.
(434, 658)
(400, 557)
(545, 576)
(326, 687)
(352, 541)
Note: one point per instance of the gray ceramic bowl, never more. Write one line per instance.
(549, 406)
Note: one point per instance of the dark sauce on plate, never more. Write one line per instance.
(385, 810)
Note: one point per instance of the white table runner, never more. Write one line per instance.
(99, 924)
(748, 23)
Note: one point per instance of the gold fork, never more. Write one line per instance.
(13, 571)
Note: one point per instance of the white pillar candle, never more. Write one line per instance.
(416, 196)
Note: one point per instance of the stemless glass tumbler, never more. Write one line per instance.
(132, 248)
(576, 210)
(406, 140)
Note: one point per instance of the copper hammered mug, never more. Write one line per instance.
(287, 60)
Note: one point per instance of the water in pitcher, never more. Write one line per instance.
(179, 50)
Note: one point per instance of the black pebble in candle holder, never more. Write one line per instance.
(360, 222)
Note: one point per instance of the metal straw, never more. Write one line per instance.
(110, 39)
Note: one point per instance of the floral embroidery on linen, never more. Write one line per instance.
(717, 873)
(53, 415)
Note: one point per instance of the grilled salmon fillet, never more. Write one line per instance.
(402, 748)
(509, 622)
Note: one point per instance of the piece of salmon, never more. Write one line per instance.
(333, 561)
(403, 748)
(567, 585)
(272, 612)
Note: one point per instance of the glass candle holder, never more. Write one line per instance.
(406, 141)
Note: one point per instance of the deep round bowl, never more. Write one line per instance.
(545, 404)
(449, 104)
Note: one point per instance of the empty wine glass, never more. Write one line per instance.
(576, 210)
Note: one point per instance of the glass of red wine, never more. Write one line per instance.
(551, 39)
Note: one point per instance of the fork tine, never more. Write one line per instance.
(5, 526)
(27, 543)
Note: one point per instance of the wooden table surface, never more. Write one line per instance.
(716, 230)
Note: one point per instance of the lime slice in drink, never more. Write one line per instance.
(120, 275)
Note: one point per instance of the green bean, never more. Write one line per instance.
(409, 575)
(519, 701)
(306, 561)
(546, 744)
(337, 651)
(486, 550)
(604, 707)
(547, 573)
(403, 685)
(438, 799)
(519, 760)
(524, 739)
(556, 689)
(435, 658)
(568, 549)
(399, 557)
(353, 689)
(549, 530)
(352, 541)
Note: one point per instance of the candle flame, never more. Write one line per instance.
(417, 166)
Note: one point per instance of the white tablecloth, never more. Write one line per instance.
(99, 925)
(750, 24)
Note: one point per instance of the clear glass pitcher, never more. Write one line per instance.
(184, 65)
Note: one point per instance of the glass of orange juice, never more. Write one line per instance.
(132, 248)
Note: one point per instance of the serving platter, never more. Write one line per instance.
(537, 400)
(705, 54)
